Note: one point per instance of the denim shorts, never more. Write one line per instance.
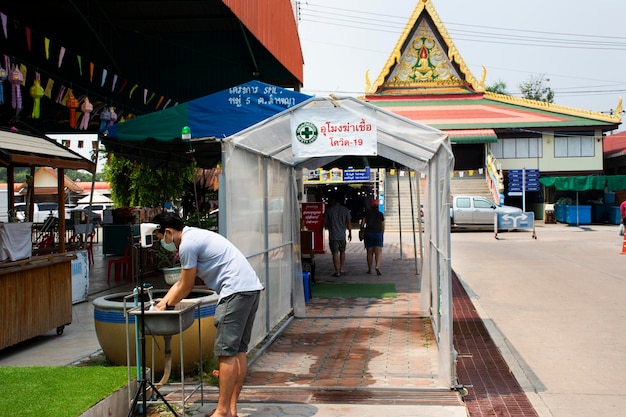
(234, 317)
(373, 240)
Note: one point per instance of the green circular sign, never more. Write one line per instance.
(306, 133)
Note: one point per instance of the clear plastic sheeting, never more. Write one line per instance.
(259, 211)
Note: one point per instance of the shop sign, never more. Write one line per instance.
(336, 175)
(352, 174)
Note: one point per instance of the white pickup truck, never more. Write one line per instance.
(474, 210)
(41, 211)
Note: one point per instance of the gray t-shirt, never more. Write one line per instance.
(221, 266)
(337, 220)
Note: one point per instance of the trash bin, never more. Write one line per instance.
(549, 214)
(306, 278)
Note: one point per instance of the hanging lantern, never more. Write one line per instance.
(113, 116)
(36, 92)
(3, 77)
(105, 118)
(86, 108)
(72, 105)
(16, 78)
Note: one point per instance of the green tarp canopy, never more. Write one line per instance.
(586, 183)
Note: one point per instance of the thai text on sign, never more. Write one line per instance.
(254, 95)
(336, 131)
(313, 215)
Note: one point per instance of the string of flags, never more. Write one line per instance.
(79, 107)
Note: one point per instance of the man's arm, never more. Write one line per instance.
(179, 290)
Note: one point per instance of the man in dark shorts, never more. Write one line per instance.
(224, 269)
(337, 219)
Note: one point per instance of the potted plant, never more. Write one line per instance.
(169, 263)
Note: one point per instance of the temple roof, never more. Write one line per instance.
(426, 79)
(489, 110)
(426, 59)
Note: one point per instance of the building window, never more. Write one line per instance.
(517, 148)
(574, 146)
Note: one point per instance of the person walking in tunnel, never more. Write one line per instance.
(373, 226)
(337, 219)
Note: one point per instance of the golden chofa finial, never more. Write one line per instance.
(619, 109)
(481, 83)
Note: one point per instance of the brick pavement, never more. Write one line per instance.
(492, 388)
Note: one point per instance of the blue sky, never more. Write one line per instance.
(580, 47)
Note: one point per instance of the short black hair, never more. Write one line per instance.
(168, 220)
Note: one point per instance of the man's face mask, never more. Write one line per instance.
(168, 246)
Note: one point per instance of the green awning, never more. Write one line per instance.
(616, 182)
(467, 136)
(586, 182)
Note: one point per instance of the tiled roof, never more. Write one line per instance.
(472, 135)
(426, 79)
(481, 113)
(615, 145)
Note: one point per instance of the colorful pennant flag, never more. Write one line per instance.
(48, 90)
(27, 29)
(4, 25)
(61, 55)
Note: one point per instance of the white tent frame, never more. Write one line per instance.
(260, 212)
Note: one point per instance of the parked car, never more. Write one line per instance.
(95, 211)
(41, 211)
(473, 210)
(83, 214)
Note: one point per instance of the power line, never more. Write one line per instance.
(360, 20)
(393, 24)
(486, 37)
(325, 9)
(403, 19)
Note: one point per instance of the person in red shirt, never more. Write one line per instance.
(622, 212)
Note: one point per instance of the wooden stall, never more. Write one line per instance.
(38, 297)
(37, 289)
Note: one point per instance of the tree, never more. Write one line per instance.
(499, 87)
(82, 175)
(21, 173)
(536, 89)
(134, 184)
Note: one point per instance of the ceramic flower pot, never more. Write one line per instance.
(111, 330)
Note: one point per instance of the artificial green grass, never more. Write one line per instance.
(65, 391)
(382, 290)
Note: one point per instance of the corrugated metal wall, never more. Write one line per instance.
(273, 23)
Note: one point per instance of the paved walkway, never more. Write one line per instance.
(554, 306)
(349, 357)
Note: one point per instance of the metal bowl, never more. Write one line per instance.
(166, 322)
